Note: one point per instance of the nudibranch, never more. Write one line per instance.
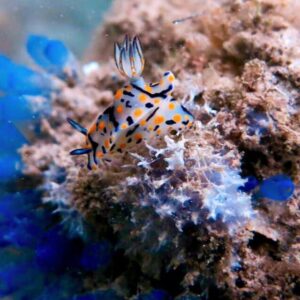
(140, 111)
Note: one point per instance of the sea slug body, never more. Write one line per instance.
(140, 111)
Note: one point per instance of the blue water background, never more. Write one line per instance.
(71, 21)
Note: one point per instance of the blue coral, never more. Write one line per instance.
(279, 187)
(10, 161)
(155, 294)
(17, 109)
(19, 80)
(96, 255)
(99, 295)
(19, 84)
(52, 55)
(38, 258)
(47, 53)
(34, 250)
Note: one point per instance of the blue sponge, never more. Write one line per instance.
(20, 80)
(49, 54)
(278, 187)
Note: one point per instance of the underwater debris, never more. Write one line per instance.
(177, 21)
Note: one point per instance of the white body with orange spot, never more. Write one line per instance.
(140, 111)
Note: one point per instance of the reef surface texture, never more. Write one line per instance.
(172, 208)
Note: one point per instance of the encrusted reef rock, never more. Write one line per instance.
(173, 208)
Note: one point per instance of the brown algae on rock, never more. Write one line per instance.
(172, 205)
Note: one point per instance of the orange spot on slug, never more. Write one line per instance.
(119, 94)
(142, 98)
(177, 118)
(138, 112)
(158, 120)
(119, 109)
(171, 106)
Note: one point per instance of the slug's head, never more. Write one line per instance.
(129, 58)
